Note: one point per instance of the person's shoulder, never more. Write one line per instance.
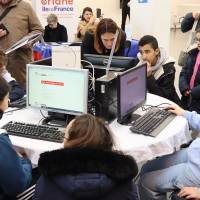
(4, 139)
(193, 52)
(62, 26)
(24, 5)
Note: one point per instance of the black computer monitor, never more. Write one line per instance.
(57, 90)
(131, 93)
(118, 62)
(44, 61)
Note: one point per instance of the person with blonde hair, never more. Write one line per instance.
(87, 167)
(54, 31)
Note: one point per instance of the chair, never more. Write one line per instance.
(131, 48)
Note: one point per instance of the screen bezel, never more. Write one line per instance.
(121, 118)
(131, 60)
(59, 110)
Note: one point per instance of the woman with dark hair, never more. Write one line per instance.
(87, 167)
(15, 170)
(88, 23)
(101, 41)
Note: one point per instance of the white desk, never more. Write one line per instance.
(141, 147)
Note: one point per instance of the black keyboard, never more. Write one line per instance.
(152, 122)
(40, 132)
(19, 103)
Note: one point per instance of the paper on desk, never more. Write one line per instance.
(25, 40)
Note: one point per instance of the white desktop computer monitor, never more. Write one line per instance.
(58, 90)
(131, 93)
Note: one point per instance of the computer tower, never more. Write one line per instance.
(106, 97)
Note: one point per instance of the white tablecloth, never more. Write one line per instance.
(144, 148)
(141, 147)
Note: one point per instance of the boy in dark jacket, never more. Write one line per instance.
(16, 91)
(160, 68)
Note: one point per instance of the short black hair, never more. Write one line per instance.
(149, 39)
(4, 88)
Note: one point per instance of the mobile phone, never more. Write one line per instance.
(98, 12)
(2, 26)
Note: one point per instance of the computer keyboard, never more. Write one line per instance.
(152, 122)
(40, 132)
(19, 103)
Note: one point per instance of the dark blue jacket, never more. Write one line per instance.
(15, 171)
(193, 102)
(188, 22)
(16, 91)
(86, 174)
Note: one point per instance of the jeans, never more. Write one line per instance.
(165, 174)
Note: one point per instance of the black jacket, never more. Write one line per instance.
(188, 22)
(163, 85)
(58, 34)
(87, 46)
(81, 173)
(184, 83)
(124, 4)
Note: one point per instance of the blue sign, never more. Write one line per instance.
(142, 1)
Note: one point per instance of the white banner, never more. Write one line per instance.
(64, 9)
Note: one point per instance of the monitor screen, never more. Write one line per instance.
(59, 90)
(131, 91)
(117, 61)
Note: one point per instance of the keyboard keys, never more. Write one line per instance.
(40, 132)
(151, 120)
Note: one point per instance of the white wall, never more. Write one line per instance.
(181, 7)
(152, 18)
(110, 8)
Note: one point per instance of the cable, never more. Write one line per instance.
(93, 78)
(43, 114)
(148, 107)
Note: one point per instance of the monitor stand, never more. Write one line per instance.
(130, 119)
(57, 119)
